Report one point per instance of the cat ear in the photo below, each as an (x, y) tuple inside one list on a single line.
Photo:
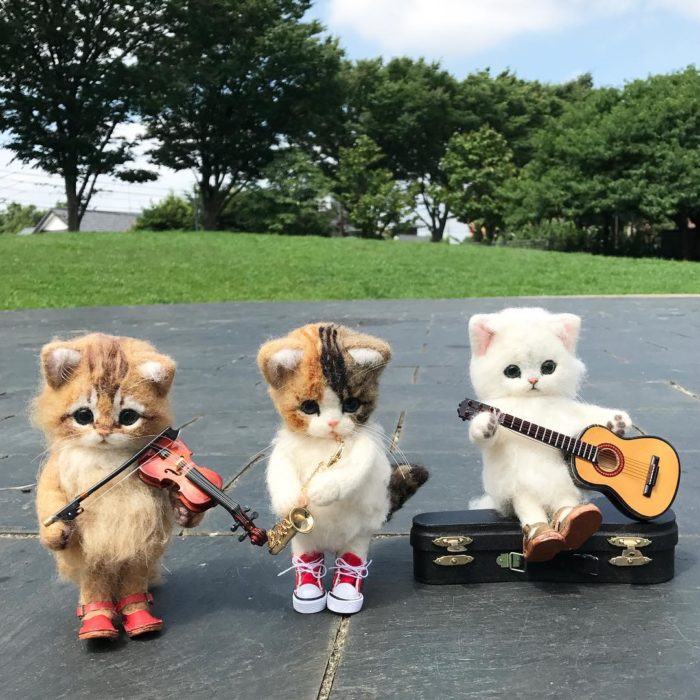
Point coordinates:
[(160, 370), (58, 364), (368, 351), (480, 333), (568, 327), (278, 360)]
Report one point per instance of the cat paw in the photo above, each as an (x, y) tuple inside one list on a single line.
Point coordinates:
[(323, 491), (57, 536), (185, 517), (619, 423), (483, 427)]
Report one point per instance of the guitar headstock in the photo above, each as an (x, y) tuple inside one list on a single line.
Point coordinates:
[(470, 407)]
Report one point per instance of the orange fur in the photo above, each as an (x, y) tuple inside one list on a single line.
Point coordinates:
[(114, 547), (288, 388)]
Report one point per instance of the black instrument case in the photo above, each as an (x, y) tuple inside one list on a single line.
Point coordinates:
[(480, 546)]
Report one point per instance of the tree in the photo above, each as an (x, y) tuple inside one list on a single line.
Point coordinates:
[(231, 81), (376, 203), (67, 81), (410, 109), (16, 217), (477, 165), (172, 213)]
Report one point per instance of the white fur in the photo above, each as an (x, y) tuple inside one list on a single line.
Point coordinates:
[(521, 475), (331, 421), (61, 362), (366, 356), (153, 371), (287, 358), (349, 501)]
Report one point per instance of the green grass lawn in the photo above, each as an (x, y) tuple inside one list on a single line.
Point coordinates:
[(63, 270)]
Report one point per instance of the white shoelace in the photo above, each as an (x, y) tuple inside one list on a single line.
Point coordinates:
[(315, 568), (345, 569)]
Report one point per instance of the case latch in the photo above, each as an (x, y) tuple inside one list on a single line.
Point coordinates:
[(454, 560), (453, 543), (514, 561), (631, 556)]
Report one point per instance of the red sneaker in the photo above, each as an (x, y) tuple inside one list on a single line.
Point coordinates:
[(345, 596), (309, 594)]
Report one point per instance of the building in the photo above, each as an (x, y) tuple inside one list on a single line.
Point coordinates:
[(56, 220)]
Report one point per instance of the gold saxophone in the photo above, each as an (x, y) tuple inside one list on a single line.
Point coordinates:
[(300, 518)]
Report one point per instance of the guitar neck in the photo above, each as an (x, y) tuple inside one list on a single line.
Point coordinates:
[(566, 443)]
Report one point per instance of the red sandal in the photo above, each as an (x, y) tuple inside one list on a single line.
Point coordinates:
[(140, 621), (99, 626)]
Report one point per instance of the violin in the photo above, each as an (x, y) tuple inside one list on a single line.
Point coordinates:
[(198, 488), (166, 462)]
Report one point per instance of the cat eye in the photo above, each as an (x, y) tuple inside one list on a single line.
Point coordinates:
[(128, 416), (512, 371), (351, 405), (309, 407), (83, 416), (548, 366)]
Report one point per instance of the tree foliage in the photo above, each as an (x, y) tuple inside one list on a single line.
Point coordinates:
[(233, 80), (172, 213), (67, 81), (477, 165), (375, 202), (294, 198), (16, 216)]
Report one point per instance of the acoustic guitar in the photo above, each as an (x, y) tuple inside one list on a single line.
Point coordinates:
[(640, 475)]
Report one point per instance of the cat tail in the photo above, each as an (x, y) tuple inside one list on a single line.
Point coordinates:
[(405, 480)]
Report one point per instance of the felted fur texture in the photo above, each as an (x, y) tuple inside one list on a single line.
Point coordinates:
[(537, 349), (103, 398), (324, 381)]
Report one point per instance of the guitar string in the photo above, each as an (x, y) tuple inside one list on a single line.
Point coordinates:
[(513, 419), (631, 467)]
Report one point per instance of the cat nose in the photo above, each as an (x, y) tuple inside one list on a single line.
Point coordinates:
[(102, 431), (333, 423), (533, 380)]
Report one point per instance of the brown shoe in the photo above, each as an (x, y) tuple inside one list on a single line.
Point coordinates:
[(541, 542), (577, 524)]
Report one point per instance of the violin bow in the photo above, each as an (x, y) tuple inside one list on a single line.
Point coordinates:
[(74, 508)]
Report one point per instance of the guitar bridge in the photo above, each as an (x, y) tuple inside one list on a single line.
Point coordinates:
[(652, 476)]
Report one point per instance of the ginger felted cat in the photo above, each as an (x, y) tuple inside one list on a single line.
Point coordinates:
[(523, 362), (323, 380), (103, 398)]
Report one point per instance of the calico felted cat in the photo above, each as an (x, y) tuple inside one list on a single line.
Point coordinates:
[(323, 380), (103, 398), (523, 362)]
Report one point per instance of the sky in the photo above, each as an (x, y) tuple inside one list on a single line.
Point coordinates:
[(547, 40)]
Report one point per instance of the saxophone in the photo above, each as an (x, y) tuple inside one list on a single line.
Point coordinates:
[(299, 518)]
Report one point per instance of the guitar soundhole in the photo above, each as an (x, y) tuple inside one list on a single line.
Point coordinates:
[(610, 460)]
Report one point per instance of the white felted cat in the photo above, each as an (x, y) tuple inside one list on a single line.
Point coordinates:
[(323, 380), (523, 363)]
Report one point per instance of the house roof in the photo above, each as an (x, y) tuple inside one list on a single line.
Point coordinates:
[(93, 220)]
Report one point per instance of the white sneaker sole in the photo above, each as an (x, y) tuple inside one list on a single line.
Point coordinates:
[(309, 605), (343, 606)]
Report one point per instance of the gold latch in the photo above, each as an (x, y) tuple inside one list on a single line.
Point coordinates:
[(454, 560), (631, 556), (453, 543)]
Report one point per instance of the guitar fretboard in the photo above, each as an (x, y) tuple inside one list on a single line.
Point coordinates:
[(568, 444)]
